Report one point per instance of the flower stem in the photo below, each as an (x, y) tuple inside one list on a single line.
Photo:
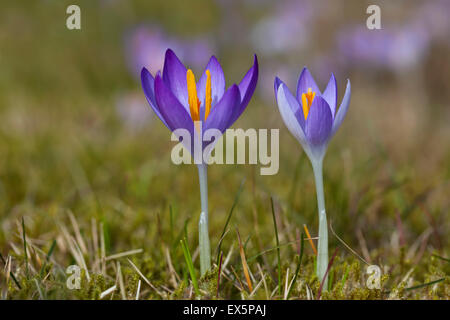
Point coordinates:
[(203, 235), (322, 253)]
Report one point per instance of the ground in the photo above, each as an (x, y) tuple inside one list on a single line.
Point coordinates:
[(81, 186)]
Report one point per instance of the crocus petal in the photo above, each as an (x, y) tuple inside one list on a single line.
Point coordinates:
[(220, 115), (291, 101), (247, 88), (217, 82), (306, 81), (340, 115), (289, 117), (330, 94), (276, 85), (171, 109), (319, 122), (148, 85), (174, 75)]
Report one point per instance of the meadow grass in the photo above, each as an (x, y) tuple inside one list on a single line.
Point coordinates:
[(80, 187)]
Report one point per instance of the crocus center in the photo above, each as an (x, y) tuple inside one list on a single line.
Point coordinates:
[(194, 102), (307, 99)]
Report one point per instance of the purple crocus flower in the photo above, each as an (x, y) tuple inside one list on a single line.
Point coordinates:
[(313, 120), (182, 103), (311, 116), (179, 101)]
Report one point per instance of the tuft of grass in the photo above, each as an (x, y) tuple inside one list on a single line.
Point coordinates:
[(299, 264), (330, 263), (190, 265)]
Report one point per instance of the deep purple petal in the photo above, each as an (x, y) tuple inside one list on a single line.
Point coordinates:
[(306, 81), (247, 88), (330, 94), (340, 115), (148, 85), (288, 115), (276, 85), (291, 102), (221, 113), (171, 109), (174, 75), (217, 83), (319, 122)]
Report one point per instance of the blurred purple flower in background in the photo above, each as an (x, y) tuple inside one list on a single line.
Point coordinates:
[(273, 68), (145, 46), (432, 17), (395, 48), (133, 110), (286, 29), (195, 52), (324, 62)]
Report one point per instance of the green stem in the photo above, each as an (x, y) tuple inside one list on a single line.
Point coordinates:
[(203, 236), (322, 254)]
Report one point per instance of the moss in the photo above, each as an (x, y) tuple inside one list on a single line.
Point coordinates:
[(208, 284)]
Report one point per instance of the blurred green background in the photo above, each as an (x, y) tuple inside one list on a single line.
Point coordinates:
[(78, 135)]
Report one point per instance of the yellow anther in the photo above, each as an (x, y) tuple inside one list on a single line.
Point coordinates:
[(194, 103), (208, 99), (307, 100)]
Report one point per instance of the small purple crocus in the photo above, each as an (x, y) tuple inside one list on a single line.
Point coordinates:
[(311, 116), (182, 103), (313, 120)]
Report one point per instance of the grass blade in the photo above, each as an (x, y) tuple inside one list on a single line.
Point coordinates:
[(10, 273), (41, 294), (310, 239), (236, 200), (25, 247), (297, 270), (180, 234), (270, 249), (425, 284), (442, 258), (47, 257), (50, 251), (219, 272), (190, 265), (278, 247), (420, 285), (326, 273), (244, 263), (171, 222)]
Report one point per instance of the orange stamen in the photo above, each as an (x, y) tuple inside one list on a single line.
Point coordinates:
[(208, 99), (307, 99), (194, 103)]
